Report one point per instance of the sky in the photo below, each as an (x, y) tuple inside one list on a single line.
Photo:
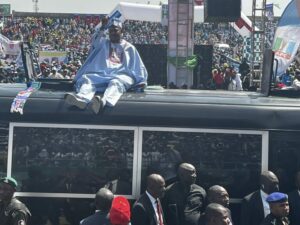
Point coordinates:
[(106, 6)]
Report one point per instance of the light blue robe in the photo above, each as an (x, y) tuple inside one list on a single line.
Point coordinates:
[(115, 66)]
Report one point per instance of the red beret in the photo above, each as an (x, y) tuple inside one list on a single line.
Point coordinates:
[(120, 211)]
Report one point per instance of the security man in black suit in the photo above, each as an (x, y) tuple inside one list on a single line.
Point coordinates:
[(103, 201), (147, 209), (184, 200), (254, 206), (12, 211), (216, 196), (294, 202), (279, 209), (216, 214)]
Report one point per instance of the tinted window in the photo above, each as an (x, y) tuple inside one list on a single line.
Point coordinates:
[(3, 148), (65, 160), (231, 160), (58, 211), (284, 157)]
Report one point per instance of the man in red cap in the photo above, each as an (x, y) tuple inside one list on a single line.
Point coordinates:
[(12, 211), (119, 213)]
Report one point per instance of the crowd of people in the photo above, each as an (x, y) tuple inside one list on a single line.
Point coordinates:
[(180, 203), (73, 35), (290, 79)]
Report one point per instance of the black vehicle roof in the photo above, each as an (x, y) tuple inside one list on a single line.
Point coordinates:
[(162, 108)]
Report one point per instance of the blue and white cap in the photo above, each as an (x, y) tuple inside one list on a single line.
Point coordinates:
[(116, 22)]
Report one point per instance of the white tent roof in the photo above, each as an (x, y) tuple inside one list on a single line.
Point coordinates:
[(153, 13)]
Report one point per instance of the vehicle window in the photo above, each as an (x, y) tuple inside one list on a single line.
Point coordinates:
[(230, 160), (68, 160), (284, 157), (54, 210), (3, 148)]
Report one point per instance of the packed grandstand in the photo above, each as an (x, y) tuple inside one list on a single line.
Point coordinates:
[(71, 34)]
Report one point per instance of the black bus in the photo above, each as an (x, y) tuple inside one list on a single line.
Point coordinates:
[(62, 155)]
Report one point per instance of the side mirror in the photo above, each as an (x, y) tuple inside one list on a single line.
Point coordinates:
[(30, 62)]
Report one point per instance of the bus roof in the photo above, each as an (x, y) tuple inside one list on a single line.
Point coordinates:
[(163, 108)]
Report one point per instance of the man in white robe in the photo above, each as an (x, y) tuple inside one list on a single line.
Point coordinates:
[(113, 66)]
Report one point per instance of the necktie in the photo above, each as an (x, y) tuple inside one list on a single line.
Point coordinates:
[(160, 219)]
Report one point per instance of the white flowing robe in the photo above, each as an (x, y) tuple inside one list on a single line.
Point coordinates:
[(110, 68)]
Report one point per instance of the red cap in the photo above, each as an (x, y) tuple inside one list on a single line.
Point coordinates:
[(120, 211)]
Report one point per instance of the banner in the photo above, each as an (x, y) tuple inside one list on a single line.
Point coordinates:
[(287, 36), (50, 56), (19, 101), (9, 47)]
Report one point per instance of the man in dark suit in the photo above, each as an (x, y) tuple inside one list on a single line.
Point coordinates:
[(218, 194), (294, 201), (103, 201), (184, 200), (147, 209), (216, 214), (254, 206)]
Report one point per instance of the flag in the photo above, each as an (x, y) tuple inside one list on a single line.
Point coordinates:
[(9, 47), (199, 2), (270, 11), (287, 36), (243, 25)]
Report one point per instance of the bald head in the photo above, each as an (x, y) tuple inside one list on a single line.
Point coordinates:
[(216, 214), (187, 174), (269, 182), (103, 199), (218, 194), (156, 185)]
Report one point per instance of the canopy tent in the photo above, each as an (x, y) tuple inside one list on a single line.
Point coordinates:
[(153, 13)]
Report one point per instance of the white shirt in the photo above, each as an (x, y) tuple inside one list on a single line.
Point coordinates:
[(296, 84), (236, 83), (153, 202), (265, 203)]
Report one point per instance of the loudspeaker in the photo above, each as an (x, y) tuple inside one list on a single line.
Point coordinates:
[(222, 10), (202, 72), (156, 66)]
